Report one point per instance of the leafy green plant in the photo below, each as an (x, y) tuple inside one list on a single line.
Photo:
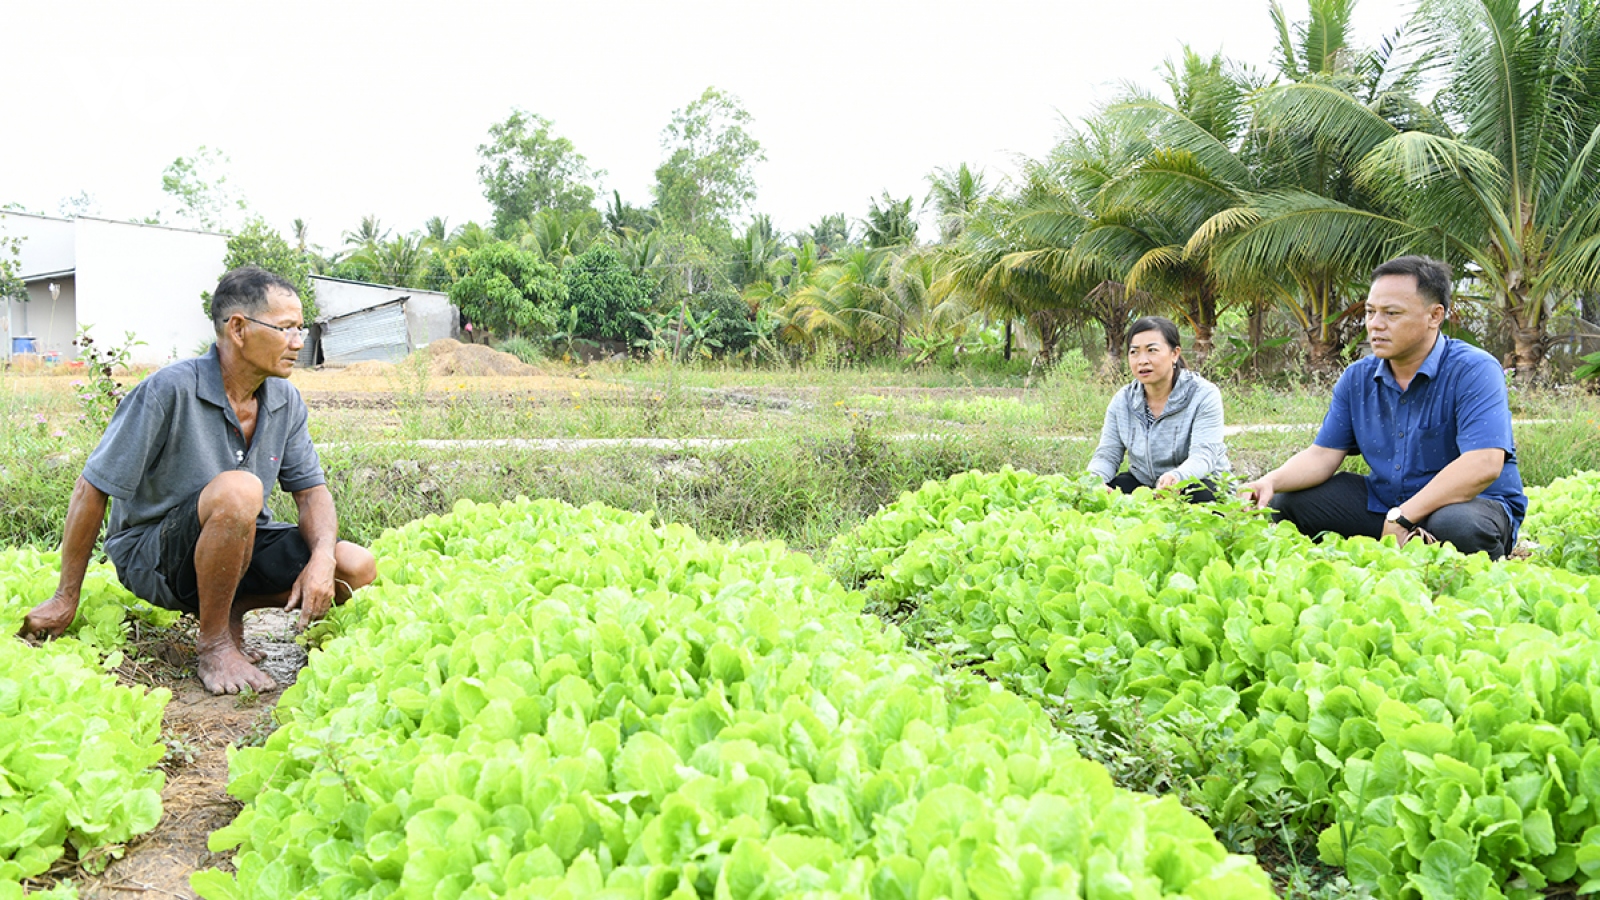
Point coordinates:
[(541, 700), (1359, 694), (1589, 370), (1563, 523), (78, 751)]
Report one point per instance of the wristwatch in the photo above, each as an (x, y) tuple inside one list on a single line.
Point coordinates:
[(1394, 515)]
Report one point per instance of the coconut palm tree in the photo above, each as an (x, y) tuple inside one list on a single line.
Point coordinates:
[(890, 225), (1040, 273), (787, 273), (1305, 229), (559, 236), (1188, 169), (955, 195), (1515, 192), (830, 234), (752, 253), (1525, 85), (371, 232), (848, 298), (401, 261)]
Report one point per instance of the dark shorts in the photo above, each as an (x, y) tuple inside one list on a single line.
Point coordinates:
[(280, 555)]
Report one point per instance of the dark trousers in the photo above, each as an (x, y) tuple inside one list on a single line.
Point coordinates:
[(1339, 505), (1204, 492)]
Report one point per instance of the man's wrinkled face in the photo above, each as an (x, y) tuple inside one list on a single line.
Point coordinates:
[(268, 343)]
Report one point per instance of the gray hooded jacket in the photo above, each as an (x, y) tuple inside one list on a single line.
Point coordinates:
[(1186, 438)]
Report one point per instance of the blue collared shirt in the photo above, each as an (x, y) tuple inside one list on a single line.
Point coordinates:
[(1456, 403)]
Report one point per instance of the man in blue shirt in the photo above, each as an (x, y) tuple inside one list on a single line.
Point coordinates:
[(190, 457), (1428, 414)]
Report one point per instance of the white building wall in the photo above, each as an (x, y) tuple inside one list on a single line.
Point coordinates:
[(147, 279), (46, 242), (430, 317)]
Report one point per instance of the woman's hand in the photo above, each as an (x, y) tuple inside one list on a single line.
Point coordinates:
[(1167, 481)]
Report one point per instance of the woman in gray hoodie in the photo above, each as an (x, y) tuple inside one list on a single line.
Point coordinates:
[(1168, 421)]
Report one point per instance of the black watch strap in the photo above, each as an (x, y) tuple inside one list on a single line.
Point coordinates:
[(1405, 523)]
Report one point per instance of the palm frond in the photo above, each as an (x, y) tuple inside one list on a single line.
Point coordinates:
[(1323, 116), (1441, 182), (1177, 131), (1294, 230), (1171, 187)]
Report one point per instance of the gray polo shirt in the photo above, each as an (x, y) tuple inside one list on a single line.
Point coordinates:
[(174, 433)]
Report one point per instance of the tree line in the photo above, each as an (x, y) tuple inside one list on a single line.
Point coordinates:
[(1237, 201)]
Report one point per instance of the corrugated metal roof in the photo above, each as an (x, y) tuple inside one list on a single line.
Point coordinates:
[(373, 284), (376, 333)]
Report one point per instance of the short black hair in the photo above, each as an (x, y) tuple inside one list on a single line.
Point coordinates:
[(1167, 328), (1432, 276), (244, 290)]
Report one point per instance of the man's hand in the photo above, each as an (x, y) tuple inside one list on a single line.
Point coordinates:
[(1261, 491), (1401, 535), (51, 617), (1166, 481), (313, 590)]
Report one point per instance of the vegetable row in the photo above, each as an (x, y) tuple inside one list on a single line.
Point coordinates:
[(78, 750), (1564, 523), (1436, 717), (537, 700)]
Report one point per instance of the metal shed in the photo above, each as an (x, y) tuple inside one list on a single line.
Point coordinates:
[(357, 321), (378, 333)]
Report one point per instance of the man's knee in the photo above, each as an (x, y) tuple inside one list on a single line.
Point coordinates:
[(356, 564), (234, 494), (1472, 527)]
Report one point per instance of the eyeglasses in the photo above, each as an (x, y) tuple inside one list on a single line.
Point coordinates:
[(291, 333)]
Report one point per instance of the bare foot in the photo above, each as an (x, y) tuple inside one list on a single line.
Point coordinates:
[(236, 631), (50, 617), (224, 670)]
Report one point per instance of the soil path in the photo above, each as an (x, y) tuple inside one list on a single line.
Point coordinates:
[(198, 728)]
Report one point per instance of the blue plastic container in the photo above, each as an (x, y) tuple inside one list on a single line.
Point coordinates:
[(24, 345)]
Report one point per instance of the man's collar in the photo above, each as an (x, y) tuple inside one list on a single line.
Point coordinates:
[(209, 373), (211, 390), (1429, 367)]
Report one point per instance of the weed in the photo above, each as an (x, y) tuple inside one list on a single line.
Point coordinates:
[(522, 348), (180, 753), (409, 381), (101, 392), (261, 729)]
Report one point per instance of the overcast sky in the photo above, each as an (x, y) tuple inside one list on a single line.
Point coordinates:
[(333, 110)]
